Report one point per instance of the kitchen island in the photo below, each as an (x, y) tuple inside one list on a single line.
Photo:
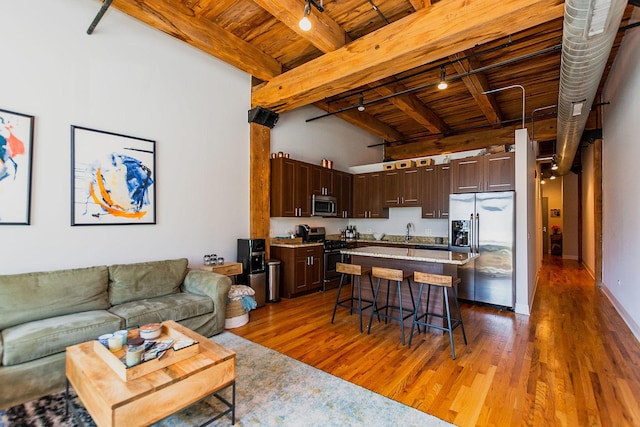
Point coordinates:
[(408, 260)]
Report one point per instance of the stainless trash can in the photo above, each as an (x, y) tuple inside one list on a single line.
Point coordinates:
[(273, 280)]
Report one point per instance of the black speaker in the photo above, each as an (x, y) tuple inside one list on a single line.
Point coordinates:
[(263, 117)]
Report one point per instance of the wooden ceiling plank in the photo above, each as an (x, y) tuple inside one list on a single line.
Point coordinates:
[(325, 33), (366, 122), (411, 105), (477, 84), (464, 142), (201, 34), (425, 36)]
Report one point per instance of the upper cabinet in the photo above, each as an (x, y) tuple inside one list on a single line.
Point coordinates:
[(436, 184), (290, 183), (493, 172), (342, 184), (367, 196), (322, 181), (401, 187), (293, 182)]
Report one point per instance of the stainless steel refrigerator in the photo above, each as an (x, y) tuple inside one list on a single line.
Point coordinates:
[(485, 223)]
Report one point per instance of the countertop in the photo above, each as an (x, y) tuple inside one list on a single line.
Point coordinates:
[(281, 244), (424, 255)]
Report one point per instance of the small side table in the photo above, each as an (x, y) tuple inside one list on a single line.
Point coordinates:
[(556, 244), (230, 269)]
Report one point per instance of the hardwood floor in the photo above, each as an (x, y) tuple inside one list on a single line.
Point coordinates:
[(573, 362)]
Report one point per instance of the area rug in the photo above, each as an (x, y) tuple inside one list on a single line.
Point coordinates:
[(272, 389)]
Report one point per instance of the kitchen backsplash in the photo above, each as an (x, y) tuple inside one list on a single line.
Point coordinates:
[(395, 225)]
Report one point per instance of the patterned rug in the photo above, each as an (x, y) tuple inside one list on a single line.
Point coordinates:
[(272, 389)]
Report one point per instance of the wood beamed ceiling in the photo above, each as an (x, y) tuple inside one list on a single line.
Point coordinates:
[(390, 54)]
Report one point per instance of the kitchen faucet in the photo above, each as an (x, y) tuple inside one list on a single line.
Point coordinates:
[(408, 236)]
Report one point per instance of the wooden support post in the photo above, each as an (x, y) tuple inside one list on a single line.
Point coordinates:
[(259, 182)]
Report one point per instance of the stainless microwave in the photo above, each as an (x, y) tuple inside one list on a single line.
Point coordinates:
[(323, 205)]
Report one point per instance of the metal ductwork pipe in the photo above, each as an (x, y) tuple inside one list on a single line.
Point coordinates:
[(589, 30)]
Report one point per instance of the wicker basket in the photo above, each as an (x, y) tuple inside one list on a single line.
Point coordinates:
[(236, 315)]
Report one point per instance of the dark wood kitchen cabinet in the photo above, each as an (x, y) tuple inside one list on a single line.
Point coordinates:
[(343, 188), (301, 269), (367, 196), (436, 186), (322, 181), (401, 188), (493, 172), (290, 182)]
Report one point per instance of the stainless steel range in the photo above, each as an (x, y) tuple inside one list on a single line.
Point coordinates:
[(332, 255)]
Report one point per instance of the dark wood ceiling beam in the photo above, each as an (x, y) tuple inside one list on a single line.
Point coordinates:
[(180, 22), (325, 33), (427, 35), (476, 84), (473, 141), (366, 122), (411, 105)]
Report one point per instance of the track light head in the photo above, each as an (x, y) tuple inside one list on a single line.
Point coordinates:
[(361, 103), (443, 82), (305, 24)]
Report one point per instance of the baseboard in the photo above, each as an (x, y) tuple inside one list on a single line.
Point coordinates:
[(633, 326), (591, 273)]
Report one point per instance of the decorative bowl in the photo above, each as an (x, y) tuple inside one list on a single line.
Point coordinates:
[(378, 236), (150, 331)]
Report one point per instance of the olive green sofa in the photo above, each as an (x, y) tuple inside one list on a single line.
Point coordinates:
[(43, 313)]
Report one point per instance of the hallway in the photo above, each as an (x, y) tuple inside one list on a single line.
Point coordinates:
[(572, 362)]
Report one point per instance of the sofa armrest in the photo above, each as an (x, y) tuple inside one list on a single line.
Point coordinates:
[(214, 285)]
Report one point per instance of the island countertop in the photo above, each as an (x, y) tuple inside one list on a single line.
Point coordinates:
[(422, 255)]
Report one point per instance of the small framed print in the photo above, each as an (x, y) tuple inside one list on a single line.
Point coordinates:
[(555, 212), (16, 155), (113, 178)]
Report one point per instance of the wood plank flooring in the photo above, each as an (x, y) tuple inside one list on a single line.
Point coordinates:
[(573, 362)]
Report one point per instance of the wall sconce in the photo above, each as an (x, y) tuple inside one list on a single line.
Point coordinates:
[(443, 83)]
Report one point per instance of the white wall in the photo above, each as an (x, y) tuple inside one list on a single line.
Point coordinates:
[(528, 226), (620, 177), (588, 210), (125, 78), (327, 138)]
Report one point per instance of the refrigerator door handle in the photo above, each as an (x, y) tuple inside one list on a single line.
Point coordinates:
[(477, 233), (472, 240)]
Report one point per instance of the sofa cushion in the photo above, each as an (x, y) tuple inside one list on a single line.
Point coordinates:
[(169, 307), (132, 282), (40, 338), (34, 296)]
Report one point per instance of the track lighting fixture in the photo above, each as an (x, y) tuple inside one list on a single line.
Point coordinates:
[(552, 177), (554, 165), (443, 83), (361, 103), (542, 181), (305, 23)]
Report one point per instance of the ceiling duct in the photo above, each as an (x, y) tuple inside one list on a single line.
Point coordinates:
[(589, 30)]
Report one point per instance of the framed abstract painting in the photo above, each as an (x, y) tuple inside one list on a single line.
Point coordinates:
[(113, 178), (16, 155)]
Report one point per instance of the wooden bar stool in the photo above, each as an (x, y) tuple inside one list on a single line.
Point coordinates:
[(356, 271), (443, 282), (397, 276)]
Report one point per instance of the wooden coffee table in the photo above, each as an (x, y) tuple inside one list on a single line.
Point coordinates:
[(142, 401)]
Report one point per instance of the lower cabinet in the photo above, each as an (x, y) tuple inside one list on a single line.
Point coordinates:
[(300, 269)]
